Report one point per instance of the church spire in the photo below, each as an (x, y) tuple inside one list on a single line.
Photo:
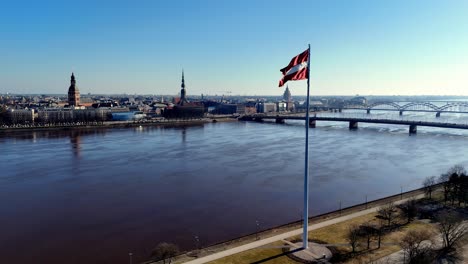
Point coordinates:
[(182, 91), (183, 81), (287, 94)]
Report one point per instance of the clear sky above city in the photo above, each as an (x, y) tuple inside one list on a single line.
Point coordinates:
[(357, 47)]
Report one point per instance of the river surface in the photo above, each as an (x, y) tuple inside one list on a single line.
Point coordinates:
[(93, 196)]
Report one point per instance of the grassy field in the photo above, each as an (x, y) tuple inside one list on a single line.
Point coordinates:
[(258, 255), (333, 234)]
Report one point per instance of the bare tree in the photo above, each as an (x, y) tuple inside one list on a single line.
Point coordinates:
[(463, 190), (428, 185), (452, 228), (387, 212), (457, 169), (367, 231), (409, 210), (417, 245), (444, 180), (380, 228), (453, 181), (353, 237), (165, 252)]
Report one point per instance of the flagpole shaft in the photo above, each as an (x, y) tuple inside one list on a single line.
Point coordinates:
[(305, 234)]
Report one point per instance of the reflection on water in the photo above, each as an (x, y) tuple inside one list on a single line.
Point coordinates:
[(75, 142), (98, 194)]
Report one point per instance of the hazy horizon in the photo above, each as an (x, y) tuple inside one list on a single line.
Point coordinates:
[(233, 95)]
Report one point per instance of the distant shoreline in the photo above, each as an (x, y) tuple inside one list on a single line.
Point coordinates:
[(122, 124)]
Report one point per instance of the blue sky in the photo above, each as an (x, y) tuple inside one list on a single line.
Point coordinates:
[(357, 47)]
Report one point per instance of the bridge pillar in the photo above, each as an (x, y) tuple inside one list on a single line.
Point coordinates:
[(413, 129), (368, 111), (353, 125), (312, 123), (339, 110), (279, 121), (438, 114), (401, 112)]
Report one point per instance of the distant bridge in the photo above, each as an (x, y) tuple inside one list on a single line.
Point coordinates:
[(353, 121), (450, 107)]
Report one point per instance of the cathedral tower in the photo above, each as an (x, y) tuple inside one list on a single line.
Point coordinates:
[(73, 93)]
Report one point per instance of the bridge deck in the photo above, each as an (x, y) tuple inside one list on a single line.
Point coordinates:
[(367, 120), (405, 110)]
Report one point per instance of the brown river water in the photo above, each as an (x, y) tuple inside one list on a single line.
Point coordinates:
[(93, 196)]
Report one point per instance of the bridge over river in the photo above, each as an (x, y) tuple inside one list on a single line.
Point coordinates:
[(436, 107), (354, 120)]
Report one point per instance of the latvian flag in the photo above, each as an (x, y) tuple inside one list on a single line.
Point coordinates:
[(297, 69)]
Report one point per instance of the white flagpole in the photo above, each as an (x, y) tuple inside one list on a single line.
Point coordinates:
[(305, 235)]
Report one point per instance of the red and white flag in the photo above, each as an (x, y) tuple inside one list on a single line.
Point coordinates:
[(297, 68)]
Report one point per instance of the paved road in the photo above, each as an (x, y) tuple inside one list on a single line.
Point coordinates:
[(279, 237)]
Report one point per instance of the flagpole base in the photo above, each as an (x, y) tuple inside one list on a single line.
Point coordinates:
[(315, 253)]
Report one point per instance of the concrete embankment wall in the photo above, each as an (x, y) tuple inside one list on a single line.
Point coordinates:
[(119, 124)]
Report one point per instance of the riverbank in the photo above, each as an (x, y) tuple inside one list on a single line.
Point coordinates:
[(290, 228), (122, 124)]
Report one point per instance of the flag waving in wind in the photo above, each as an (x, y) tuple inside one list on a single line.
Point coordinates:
[(297, 69)]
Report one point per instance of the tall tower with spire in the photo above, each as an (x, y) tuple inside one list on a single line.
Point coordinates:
[(287, 95), (183, 99), (73, 93)]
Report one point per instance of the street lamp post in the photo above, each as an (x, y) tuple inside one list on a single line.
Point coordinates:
[(258, 229), (197, 242)]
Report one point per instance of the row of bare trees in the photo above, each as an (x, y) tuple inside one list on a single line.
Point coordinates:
[(387, 216), (419, 245), (454, 183), (371, 231)]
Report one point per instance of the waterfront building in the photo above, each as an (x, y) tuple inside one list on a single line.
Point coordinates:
[(20, 116), (266, 107), (73, 93), (281, 106), (73, 115), (250, 107), (227, 109), (128, 116)]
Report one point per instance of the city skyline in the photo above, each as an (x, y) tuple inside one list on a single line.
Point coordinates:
[(363, 47)]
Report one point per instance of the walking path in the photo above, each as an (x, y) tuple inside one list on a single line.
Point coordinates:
[(296, 232)]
